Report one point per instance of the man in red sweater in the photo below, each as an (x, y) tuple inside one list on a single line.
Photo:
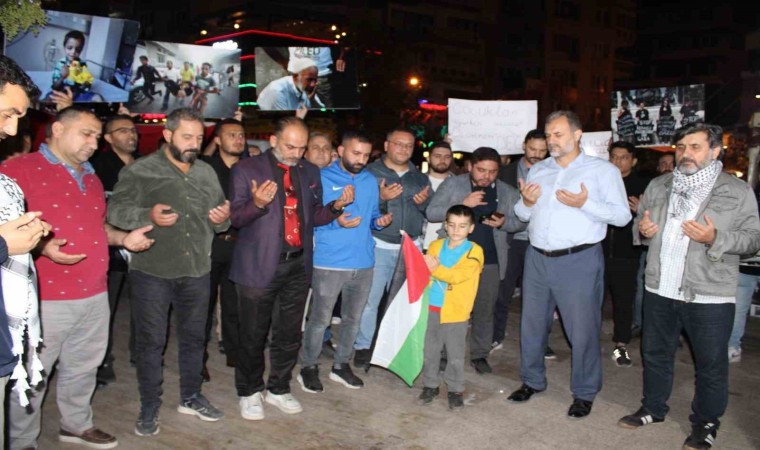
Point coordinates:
[(72, 275)]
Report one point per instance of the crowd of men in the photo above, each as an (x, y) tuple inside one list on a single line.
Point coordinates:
[(300, 221)]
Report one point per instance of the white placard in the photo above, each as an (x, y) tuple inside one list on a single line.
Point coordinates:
[(497, 124), (596, 143)]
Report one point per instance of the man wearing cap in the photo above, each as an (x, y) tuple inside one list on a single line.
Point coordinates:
[(292, 91)]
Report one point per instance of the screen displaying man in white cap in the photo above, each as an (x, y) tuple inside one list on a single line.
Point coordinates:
[(293, 91)]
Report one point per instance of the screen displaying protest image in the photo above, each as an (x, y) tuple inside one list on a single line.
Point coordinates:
[(90, 56), (288, 78), (649, 117), (167, 76)]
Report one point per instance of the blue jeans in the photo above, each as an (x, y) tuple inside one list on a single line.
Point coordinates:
[(326, 286), (385, 263), (707, 327), (744, 293), (151, 298)]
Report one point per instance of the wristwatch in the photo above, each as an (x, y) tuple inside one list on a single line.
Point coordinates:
[(335, 210)]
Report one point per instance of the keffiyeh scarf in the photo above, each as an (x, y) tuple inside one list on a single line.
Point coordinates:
[(19, 284), (691, 190)]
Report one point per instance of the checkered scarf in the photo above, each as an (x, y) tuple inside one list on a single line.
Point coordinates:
[(691, 190), (19, 285)]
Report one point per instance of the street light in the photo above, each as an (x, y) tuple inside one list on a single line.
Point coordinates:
[(236, 26), (204, 32), (414, 81)]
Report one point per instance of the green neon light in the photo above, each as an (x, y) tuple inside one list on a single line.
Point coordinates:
[(247, 85), (248, 104)]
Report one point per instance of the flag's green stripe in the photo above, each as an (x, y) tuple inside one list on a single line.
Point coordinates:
[(407, 363)]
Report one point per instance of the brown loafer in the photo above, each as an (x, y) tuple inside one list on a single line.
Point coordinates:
[(93, 438)]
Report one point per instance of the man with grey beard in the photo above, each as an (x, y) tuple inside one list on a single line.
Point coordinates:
[(698, 222), (182, 198), (276, 201)]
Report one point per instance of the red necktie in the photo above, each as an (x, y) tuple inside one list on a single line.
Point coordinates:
[(290, 212)]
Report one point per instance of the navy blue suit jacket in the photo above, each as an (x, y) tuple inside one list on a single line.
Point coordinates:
[(260, 236)]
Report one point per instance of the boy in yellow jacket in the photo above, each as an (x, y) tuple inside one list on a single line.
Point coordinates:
[(455, 264)]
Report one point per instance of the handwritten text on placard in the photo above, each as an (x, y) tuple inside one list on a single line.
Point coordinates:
[(498, 124)]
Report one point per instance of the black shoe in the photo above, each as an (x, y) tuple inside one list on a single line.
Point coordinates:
[(481, 365), (523, 394), (621, 357), (341, 373), (549, 353), (362, 357), (639, 419), (105, 375), (221, 344), (206, 376), (702, 436), (456, 402), (428, 395), (309, 380), (579, 409)]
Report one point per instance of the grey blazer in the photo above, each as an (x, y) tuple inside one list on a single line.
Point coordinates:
[(453, 192)]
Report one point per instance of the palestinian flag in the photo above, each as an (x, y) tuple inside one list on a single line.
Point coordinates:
[(401, 336)]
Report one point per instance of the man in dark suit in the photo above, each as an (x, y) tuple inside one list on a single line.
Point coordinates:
[(276, 203)]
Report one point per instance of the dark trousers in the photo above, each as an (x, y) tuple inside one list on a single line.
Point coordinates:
[(708, 327), (149, 89), (481, 330), (170, 87), (116, 281), (281, 307), (620, 275), (515, 265), (575, 284), (151, 298), (221, 259)]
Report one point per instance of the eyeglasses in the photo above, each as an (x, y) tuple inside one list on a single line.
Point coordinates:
[(402, 145), (124, 130)]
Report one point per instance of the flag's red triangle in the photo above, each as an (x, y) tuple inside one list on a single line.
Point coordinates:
[(417, 273)]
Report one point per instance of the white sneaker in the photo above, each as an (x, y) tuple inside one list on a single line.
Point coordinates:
[(284, 402), (336, 321), (734, 354), (251, 407)]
